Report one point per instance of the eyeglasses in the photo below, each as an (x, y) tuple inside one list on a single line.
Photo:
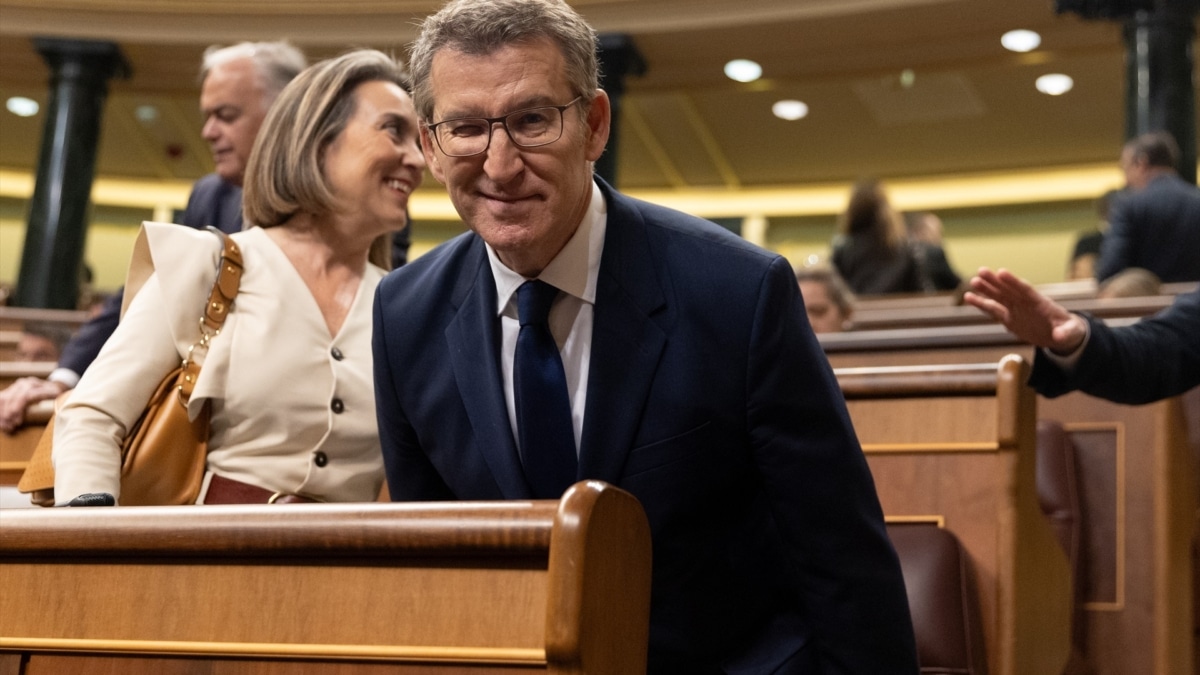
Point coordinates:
[(528, 128)]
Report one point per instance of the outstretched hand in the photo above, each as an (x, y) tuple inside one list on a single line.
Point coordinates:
[(1026, 313)]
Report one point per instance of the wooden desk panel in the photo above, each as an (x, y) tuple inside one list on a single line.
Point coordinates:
[(1138, 480), (955, 445), (459, 587)]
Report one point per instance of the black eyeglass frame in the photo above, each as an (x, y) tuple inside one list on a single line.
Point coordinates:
[(503, 121)]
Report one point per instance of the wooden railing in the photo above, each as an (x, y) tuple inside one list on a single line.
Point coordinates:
[(463, 587)]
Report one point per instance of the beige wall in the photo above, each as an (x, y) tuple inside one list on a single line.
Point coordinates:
[(1033, 240)]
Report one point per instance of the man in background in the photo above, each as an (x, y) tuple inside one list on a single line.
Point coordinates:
[(41, 341), (238, 85), (1157, 225)]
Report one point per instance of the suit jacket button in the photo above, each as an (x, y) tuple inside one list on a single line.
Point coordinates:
[(337, 354), (320, 458), (337, 406)]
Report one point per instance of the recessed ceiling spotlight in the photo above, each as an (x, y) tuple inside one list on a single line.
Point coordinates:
[(790, 110), (1021, 40), (1055, 84), (146, 113), (743, 70), (21, 106)]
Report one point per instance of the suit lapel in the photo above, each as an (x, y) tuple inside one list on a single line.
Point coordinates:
[(626, 342), (473, 340)]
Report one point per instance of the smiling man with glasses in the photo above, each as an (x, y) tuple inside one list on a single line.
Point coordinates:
[(575, 333)]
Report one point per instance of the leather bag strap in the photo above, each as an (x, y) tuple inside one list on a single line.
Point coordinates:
[(224, 291)]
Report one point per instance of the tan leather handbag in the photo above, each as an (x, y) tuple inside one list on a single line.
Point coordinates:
[(163, 455)]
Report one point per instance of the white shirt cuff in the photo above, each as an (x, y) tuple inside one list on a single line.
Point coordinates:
[(1067, 362), (65, 377)]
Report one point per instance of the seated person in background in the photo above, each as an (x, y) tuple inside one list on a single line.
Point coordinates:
[(1157, 225), (289, 377), (42, 341), (925, 233), (872, 252), (1152, 359), (1132, 282), (827, 299), (238, 85), (1087, 246)]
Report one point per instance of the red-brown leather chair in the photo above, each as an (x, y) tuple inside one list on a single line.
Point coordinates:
[(1058, 495), (942, 598)]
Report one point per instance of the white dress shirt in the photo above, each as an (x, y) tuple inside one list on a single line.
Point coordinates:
[(574, 272)]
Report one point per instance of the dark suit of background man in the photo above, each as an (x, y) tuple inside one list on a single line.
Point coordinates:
[(238, 85), (1156, 225), (1150, 360), (695, 381)]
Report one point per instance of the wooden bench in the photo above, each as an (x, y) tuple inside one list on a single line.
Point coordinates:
[(1139, 490), (15, 318), (349, 589), (11, 371), (954, 445), (885, 317)]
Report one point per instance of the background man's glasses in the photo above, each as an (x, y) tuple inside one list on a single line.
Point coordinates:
[(528, 128)]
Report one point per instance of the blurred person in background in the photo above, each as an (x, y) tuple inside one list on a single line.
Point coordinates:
[(827, 299), (925, 234), (872, 252), (1156, 226), (42, 341)]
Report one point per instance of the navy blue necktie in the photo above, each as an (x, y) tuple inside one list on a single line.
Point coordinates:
[(544, 431)]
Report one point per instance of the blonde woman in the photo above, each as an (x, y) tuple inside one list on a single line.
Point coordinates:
[(289, 377)]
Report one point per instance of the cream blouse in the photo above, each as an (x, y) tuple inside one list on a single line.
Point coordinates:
[(293, 409)]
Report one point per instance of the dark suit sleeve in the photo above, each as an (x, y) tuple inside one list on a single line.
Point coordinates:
[(821, 494), (400, 243), (82, 349), (1153, 359), (402, 454)]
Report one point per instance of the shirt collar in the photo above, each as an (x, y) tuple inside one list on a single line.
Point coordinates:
[(574, 270)]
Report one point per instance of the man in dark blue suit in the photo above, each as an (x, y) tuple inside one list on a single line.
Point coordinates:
[(1152, 359), (238, 85), (693, 378), (1156, 224)]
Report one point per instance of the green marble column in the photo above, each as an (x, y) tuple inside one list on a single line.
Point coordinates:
[(57, 225), (1159, 92), (618, 57)]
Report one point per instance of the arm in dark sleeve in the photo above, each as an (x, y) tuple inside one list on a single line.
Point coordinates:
[(822, 493), (82, 349), (1153, 359), (410, 475)]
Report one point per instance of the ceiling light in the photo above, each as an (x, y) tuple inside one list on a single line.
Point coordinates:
[(1055, 84), (743, 70), (146, 113), (1021, 40), (21, 106), (790, 110)]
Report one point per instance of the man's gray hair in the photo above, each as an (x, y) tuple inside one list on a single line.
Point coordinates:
[(276, 62), (480, 27)]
